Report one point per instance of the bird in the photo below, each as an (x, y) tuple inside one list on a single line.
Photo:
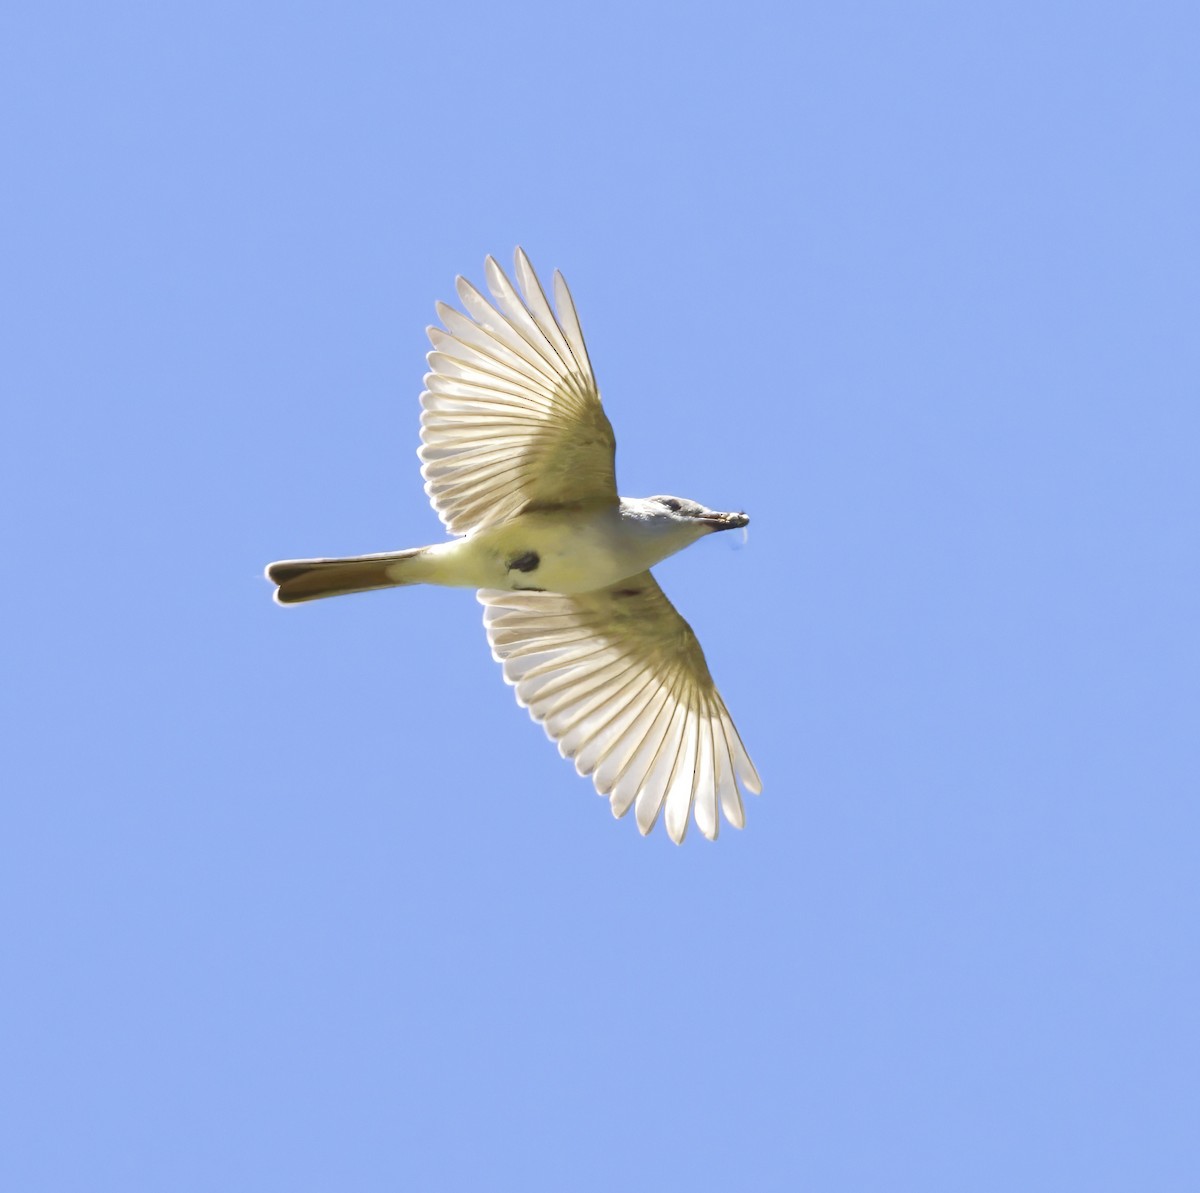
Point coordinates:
[(518, 458)]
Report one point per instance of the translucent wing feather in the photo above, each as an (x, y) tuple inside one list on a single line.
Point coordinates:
[(619, 681), (511, 416)]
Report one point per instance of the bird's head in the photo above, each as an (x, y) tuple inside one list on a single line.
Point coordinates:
[(681, 514)]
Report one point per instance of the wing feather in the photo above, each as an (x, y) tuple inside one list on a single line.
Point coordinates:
[(569, 319), (619, 681), (511, 415), (704, 795)]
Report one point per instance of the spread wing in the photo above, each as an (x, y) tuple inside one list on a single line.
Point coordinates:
[(619, 681), (512, 417)]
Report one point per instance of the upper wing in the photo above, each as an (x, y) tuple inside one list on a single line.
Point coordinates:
[(512, 416), (618, 679)]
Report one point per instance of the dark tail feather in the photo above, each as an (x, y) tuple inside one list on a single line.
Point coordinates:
[(311, 579)]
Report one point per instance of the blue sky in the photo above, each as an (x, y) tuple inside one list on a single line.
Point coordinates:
[(299, 899)]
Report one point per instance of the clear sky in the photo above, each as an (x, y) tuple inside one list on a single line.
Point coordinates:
[(298, 899)]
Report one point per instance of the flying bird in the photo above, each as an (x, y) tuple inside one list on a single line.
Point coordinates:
[(518, 460)]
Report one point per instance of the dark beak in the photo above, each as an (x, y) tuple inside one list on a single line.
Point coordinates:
[(726, 521)]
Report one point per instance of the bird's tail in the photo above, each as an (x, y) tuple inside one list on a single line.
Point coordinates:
[(310, 579)]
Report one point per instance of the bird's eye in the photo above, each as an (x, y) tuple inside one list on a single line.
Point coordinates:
[(671, 504)]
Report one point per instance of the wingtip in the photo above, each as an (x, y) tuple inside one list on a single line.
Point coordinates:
[(493, 271)]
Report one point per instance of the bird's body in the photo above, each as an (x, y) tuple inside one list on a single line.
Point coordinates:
[(569, 549), (518, 459)]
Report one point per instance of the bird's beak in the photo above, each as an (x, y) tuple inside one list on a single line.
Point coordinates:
[(725, 521)]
